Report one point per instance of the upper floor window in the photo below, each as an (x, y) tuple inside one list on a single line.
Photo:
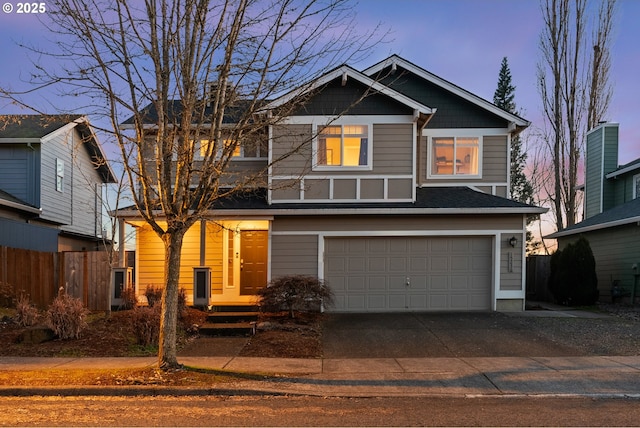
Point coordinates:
[(248, 149), (455, 156), (59, 175), (343, 146), (636, 186)]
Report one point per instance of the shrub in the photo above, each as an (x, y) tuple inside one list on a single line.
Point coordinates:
[(295, 293), (7, 295), (26, 313), (573, 280), (146, 325), (129, 299), (153, 295), (66, 316)]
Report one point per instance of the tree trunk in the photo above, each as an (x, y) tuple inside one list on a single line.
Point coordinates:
[(167, 351)]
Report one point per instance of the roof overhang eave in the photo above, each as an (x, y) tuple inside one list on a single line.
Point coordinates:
[(134, 215), (577, 231), (20, 207)]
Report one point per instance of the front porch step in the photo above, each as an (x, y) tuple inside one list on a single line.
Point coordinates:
[(234, 307), (225, 317), (231, 320), (228, 329)]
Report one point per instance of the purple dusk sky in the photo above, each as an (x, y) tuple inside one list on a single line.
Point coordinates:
[(462, 41)]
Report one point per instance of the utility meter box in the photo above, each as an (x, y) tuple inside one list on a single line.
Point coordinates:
[(201, 286), (121, 279)]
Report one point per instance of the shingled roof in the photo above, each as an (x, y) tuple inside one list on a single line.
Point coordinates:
[(33, 126), (626, 213), (429, 200)]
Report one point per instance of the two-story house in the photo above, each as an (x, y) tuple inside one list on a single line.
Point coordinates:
[(611, 212), (400, 204), (52, 171)]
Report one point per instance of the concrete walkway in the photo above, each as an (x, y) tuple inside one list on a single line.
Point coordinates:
[(603, 376), (360, 377)]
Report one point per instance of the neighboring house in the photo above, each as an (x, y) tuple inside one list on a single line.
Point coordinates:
[(52, 170), (611, 211), (401, 204)]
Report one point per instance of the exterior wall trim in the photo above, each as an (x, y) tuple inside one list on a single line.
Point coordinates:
[(347, 119), (357, 178)]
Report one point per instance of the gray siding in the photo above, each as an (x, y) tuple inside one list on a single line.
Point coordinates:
[(56, 206), (293, 255), (601, 158), (76, 208), (511, 263), (358, 224), (615, 250), (291, 150), (18, 234), (392, 147), (453, 111), (495, 168), (494, 159), (19, 171)]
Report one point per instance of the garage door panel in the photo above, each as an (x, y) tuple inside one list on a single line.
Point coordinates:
[(459, 283), (460, 263), (357, 284), (439, 282), (377, 302), (397, 264), (409, 273), (397, 302), (439, 263)]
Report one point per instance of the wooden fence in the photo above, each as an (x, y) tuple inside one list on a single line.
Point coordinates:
[(538, 270), (84, 275)]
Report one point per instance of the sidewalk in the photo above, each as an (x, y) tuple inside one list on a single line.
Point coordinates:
[(357, 377)]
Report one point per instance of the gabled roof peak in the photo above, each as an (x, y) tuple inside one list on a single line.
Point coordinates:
[(395, 61)]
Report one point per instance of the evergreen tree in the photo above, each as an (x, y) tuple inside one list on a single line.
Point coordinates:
[(521, 189), (504, 96)]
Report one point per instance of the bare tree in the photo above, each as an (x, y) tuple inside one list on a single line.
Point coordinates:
[(572, 101), (188, 79)]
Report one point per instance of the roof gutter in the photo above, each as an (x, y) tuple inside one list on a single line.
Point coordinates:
[(21, 207), (134, 214)]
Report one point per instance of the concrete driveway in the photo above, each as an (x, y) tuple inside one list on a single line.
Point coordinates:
[(419, 335)]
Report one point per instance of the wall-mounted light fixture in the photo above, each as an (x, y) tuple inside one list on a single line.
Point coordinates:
[(513, 241)]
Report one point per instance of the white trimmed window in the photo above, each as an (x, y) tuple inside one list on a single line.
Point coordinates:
[(343, 146), (636, 186), (59, 175), (455, 156)]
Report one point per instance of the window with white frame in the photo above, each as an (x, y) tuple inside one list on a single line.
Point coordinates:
[(343, 146), (636, 186), (59, 175), (455, 156)]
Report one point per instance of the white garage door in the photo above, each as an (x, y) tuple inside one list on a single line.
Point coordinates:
[(409, 273)]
